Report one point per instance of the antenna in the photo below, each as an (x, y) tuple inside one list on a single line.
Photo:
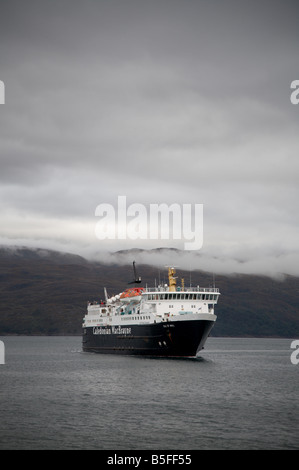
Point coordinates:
[(106, 295), (137, 280)]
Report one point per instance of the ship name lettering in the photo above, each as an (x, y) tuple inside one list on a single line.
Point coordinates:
[(114, 330), (118, 330), (101, 331)]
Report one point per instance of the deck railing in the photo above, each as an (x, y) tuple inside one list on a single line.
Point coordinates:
[(179, 289)]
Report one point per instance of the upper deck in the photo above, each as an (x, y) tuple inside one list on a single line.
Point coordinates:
[(180, 294), (178, 289), (194, 294)]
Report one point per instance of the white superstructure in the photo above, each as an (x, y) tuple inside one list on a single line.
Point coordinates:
[(153, 305)]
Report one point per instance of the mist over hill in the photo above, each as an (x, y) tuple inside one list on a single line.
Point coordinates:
[(44, 292)]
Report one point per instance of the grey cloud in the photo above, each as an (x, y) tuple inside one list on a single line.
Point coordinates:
[(161, 101)]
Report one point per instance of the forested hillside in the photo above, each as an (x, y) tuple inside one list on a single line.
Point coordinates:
[(45, 292)]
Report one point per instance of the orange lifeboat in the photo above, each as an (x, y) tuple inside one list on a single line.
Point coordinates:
[(128, 294)]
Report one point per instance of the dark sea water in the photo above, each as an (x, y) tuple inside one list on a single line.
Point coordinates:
[(240, 394)]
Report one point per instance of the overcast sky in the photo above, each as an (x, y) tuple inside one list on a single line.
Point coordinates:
[(164, 101)]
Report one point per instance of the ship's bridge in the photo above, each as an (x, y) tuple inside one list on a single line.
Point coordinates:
[(179, 298), (161, 301), (192, 293)]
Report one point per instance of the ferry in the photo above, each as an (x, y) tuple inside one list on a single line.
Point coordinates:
[(169, 320)]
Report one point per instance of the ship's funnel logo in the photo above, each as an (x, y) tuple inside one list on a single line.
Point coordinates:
[(157, 222)]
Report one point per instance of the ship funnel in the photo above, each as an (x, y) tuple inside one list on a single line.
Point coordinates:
[(172, 280)]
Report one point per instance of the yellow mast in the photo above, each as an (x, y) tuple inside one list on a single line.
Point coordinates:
[(172, 280)]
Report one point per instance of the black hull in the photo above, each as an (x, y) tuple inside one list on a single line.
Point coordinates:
[(169, 339)]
